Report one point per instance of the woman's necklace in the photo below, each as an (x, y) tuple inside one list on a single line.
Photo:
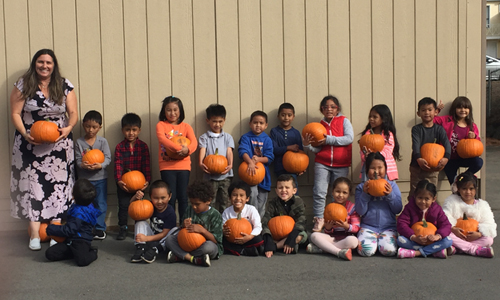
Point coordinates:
[(42, 85)]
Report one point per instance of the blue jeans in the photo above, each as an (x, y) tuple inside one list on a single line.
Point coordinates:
[(178, 181), (101, 202), (406, 243), (324, 176), (474, 164)]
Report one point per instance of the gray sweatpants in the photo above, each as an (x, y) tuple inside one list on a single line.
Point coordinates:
[(144, 228), (207, 247)]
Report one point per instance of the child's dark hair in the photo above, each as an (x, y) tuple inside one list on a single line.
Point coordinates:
[(258, 113), (168, 100), (93, 115), (131, 119), (426, 101), (425, 185), (201, 189), (329, 97), (374, 156), (345, 180), (462, 102), (84, 192), (216, 110), (286, 105), (286, 177), (464, 178), (159, 184), (239, 185)]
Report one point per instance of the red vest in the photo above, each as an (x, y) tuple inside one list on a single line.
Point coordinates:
[(335, 156)]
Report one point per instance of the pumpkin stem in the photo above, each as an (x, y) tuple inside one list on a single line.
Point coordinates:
[(465, 217), (424, 223), (371, 131), (239, 214), (217, 153), (376, 176), (435, 141)]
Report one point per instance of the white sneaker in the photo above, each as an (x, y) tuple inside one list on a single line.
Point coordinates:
[(52, 242), (35, 244), (311, 248)]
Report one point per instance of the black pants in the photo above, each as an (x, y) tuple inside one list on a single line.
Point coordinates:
[(123, 203), (77, 249), (237, 248)]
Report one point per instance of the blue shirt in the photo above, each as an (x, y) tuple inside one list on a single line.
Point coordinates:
[(260, 145), (281, 140)]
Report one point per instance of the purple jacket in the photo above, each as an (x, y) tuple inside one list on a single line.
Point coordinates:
[(412, 214)]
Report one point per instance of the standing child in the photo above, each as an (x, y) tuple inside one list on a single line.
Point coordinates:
[(95, 173), (459, 124), (464, 202), (380, 122), (426, 132), (130, 154), (217, 141), (333, 155), (338, 237), (250, 244), (175, 170), (256, 146), (82, 217), (150, 237), (423, 206), (199, 217), (286, 203), (378, 214), (285, 138)]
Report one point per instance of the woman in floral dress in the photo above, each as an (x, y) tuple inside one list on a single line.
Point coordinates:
[(42, 175)]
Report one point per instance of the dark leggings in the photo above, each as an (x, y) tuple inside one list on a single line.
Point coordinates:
[(78, 249), (474, 164), (178, 181)]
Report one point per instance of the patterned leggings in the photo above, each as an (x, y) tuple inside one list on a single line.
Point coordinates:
[(370, 240)]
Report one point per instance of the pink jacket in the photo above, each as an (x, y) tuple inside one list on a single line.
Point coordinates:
[(448, 124), (392, 168)]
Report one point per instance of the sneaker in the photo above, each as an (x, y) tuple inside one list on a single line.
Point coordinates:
[(149, 255), (451, 250), (172, 258), (99, 235), (139, 251), (406, 253), (35, 244), (52, 242), (485, 252), (443, 253), (311, 248), (123, 233), (250, 251), (345, 254), (318, 224), (201, 260)]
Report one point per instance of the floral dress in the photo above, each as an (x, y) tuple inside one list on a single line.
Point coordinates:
[(42, 176)]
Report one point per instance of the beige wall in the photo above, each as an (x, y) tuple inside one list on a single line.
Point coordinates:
[(127, 55)]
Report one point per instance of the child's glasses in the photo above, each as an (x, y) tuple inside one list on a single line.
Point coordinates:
[(325, 107)]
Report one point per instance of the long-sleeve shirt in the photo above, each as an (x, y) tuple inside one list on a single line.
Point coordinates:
[(259, 145), (294, 208), (211, 220), (392, 168), (352, 218), (453, 132), (421, 135), (248, 212), (81, 147), (135, 158), (281, 140), (165, 131)]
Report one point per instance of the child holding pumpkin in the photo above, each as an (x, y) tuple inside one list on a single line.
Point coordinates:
[(287, 210), (95, 171), (338, 237), (199, 218), (459, 124), (380, 123), (377, 202), (150, 237), (423, 226), (333, 154), (473, 222), (217, 145), (242, 243), (177, 142), (130, 154)]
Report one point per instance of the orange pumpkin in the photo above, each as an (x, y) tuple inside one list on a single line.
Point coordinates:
[(295, 162), (190, 241), (216, 164), (467, 224), (468, 148), (372, 141), (94, 156), (432, 153), (41, 232), (180, 141), (335, 212), (260, 173), (58, 239), (316, 130), (237, 226), (424, 228), (280, 227), (44, 132), (134, 180), (140, 209), (376, 187)]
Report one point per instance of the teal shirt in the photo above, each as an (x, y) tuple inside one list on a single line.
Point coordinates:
[(211, 220)]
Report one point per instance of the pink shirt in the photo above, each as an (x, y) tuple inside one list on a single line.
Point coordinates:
[(392, 168)]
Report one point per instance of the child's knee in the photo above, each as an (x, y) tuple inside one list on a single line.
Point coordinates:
[(366, 249)]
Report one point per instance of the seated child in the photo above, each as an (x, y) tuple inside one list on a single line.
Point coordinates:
[(285, 203), (199, 217), (423, 206), (249, 244), (78, 230), (463, 201), (150, 237), (338, 237)]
